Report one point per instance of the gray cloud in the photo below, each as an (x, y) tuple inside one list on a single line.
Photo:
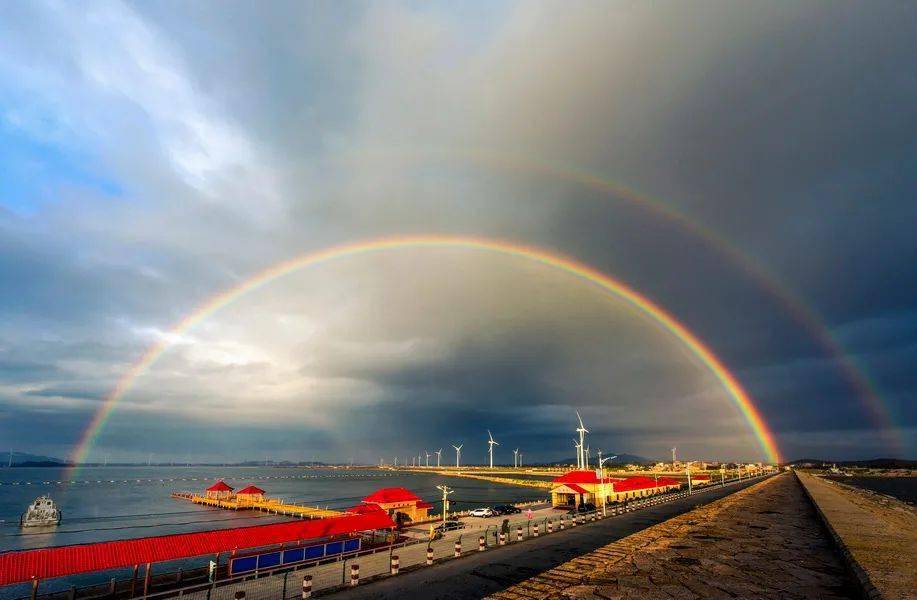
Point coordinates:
[(241, 138)]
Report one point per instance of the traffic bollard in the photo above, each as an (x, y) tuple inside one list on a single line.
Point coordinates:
[(481, 545), (429, 556), (535, 530), (519, 533), (354, 574), (395, 564), (458, 548), (550, 526), (502, 539), (306, 587)]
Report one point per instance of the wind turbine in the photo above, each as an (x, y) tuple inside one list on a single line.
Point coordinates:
[(586, 458), (579, 463), (428, 457), (582, 440), (516, 458), (458, 454), (673, 457), (490, 447), (438, 454), (520, 460)]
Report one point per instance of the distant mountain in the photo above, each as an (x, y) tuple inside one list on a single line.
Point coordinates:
[(621, 459), (24, 459), (874, 463)]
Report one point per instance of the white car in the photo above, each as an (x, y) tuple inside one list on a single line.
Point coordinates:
[(482, 512)]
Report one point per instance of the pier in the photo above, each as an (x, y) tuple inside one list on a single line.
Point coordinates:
[(273, 506)]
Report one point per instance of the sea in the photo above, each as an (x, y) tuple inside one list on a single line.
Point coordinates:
[(902, 488), (114, 503)]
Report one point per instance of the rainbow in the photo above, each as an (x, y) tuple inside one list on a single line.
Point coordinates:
[(549, 259), (854, 374)]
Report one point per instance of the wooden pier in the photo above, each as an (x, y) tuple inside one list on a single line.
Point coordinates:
[(272, 506)]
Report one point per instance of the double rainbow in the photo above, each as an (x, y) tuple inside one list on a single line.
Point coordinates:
[(549, 259)]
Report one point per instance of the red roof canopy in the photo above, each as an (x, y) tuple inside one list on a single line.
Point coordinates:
[(576, 488), (639, 483), (60, 561), (423, 504), (366, 507), (219, 486), (393, 494), (250, 490), (580, 477)]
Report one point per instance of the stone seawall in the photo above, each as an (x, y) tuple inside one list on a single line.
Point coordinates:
[(764, 541), (876, 535)]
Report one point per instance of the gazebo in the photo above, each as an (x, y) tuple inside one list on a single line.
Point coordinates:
[(250, 494), (219, 491)]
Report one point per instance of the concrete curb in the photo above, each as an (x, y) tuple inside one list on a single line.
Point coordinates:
[(856, 571)]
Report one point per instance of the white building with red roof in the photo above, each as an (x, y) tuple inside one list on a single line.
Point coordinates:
[(587, 487)]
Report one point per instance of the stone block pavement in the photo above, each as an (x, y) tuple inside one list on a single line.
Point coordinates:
[(878, 534), (762, 542)]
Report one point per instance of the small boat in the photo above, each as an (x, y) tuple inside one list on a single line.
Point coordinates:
[(41, 513)]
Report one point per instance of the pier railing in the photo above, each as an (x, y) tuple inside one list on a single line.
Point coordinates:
[(324, 575)]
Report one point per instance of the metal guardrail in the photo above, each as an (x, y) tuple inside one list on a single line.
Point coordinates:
[(286, 583)]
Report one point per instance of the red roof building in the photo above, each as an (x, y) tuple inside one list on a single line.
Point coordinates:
[(401, 503), (580, 487), (60, 561)]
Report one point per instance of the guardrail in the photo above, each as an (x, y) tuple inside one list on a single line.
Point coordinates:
[(287, 583)]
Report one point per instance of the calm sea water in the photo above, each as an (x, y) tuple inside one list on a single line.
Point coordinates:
[(125, 502), (109, 503), (902, 488)]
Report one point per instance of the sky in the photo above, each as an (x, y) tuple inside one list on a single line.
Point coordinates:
[(749, 167)]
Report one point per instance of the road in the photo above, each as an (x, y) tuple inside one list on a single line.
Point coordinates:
[(481, 574)]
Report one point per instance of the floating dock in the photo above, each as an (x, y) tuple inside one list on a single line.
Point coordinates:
[(273, 506)]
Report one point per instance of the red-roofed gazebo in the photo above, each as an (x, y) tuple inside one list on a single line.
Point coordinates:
[(219, 491), (250, 493)]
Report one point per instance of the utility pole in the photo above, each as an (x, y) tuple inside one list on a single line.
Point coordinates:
[(602, 475), (446, 491), (688, 473)]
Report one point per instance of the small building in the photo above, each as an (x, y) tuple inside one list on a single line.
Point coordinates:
[(579, 487), (400, 503), (219, 491), (582, 487), (250, 494)]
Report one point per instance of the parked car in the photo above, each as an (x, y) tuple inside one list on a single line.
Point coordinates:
[(585, 507), (482, 512), (506, 509), (450, 525)]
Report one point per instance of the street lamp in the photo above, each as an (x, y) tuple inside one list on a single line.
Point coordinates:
[(446, 491), (602, 482)]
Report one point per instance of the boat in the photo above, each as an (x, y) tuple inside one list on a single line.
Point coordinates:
[(41, 513)]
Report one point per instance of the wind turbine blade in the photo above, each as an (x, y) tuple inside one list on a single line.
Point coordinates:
[(580, 419)]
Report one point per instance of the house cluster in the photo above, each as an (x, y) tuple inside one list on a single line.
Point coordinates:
[(587, 487)]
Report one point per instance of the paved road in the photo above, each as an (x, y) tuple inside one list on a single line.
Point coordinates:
[(478, 575)]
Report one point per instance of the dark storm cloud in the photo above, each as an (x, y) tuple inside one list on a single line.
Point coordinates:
[(241, 138)]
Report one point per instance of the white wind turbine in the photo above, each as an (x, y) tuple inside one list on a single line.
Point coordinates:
[(579, 463), (490, 447), (516, 458), (428, 457), (582, 441), (586, 458), (458, 454), (438, 454)]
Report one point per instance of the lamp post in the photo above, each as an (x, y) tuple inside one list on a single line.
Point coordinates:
[(602, 482), (688, 473), (446, 491)]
